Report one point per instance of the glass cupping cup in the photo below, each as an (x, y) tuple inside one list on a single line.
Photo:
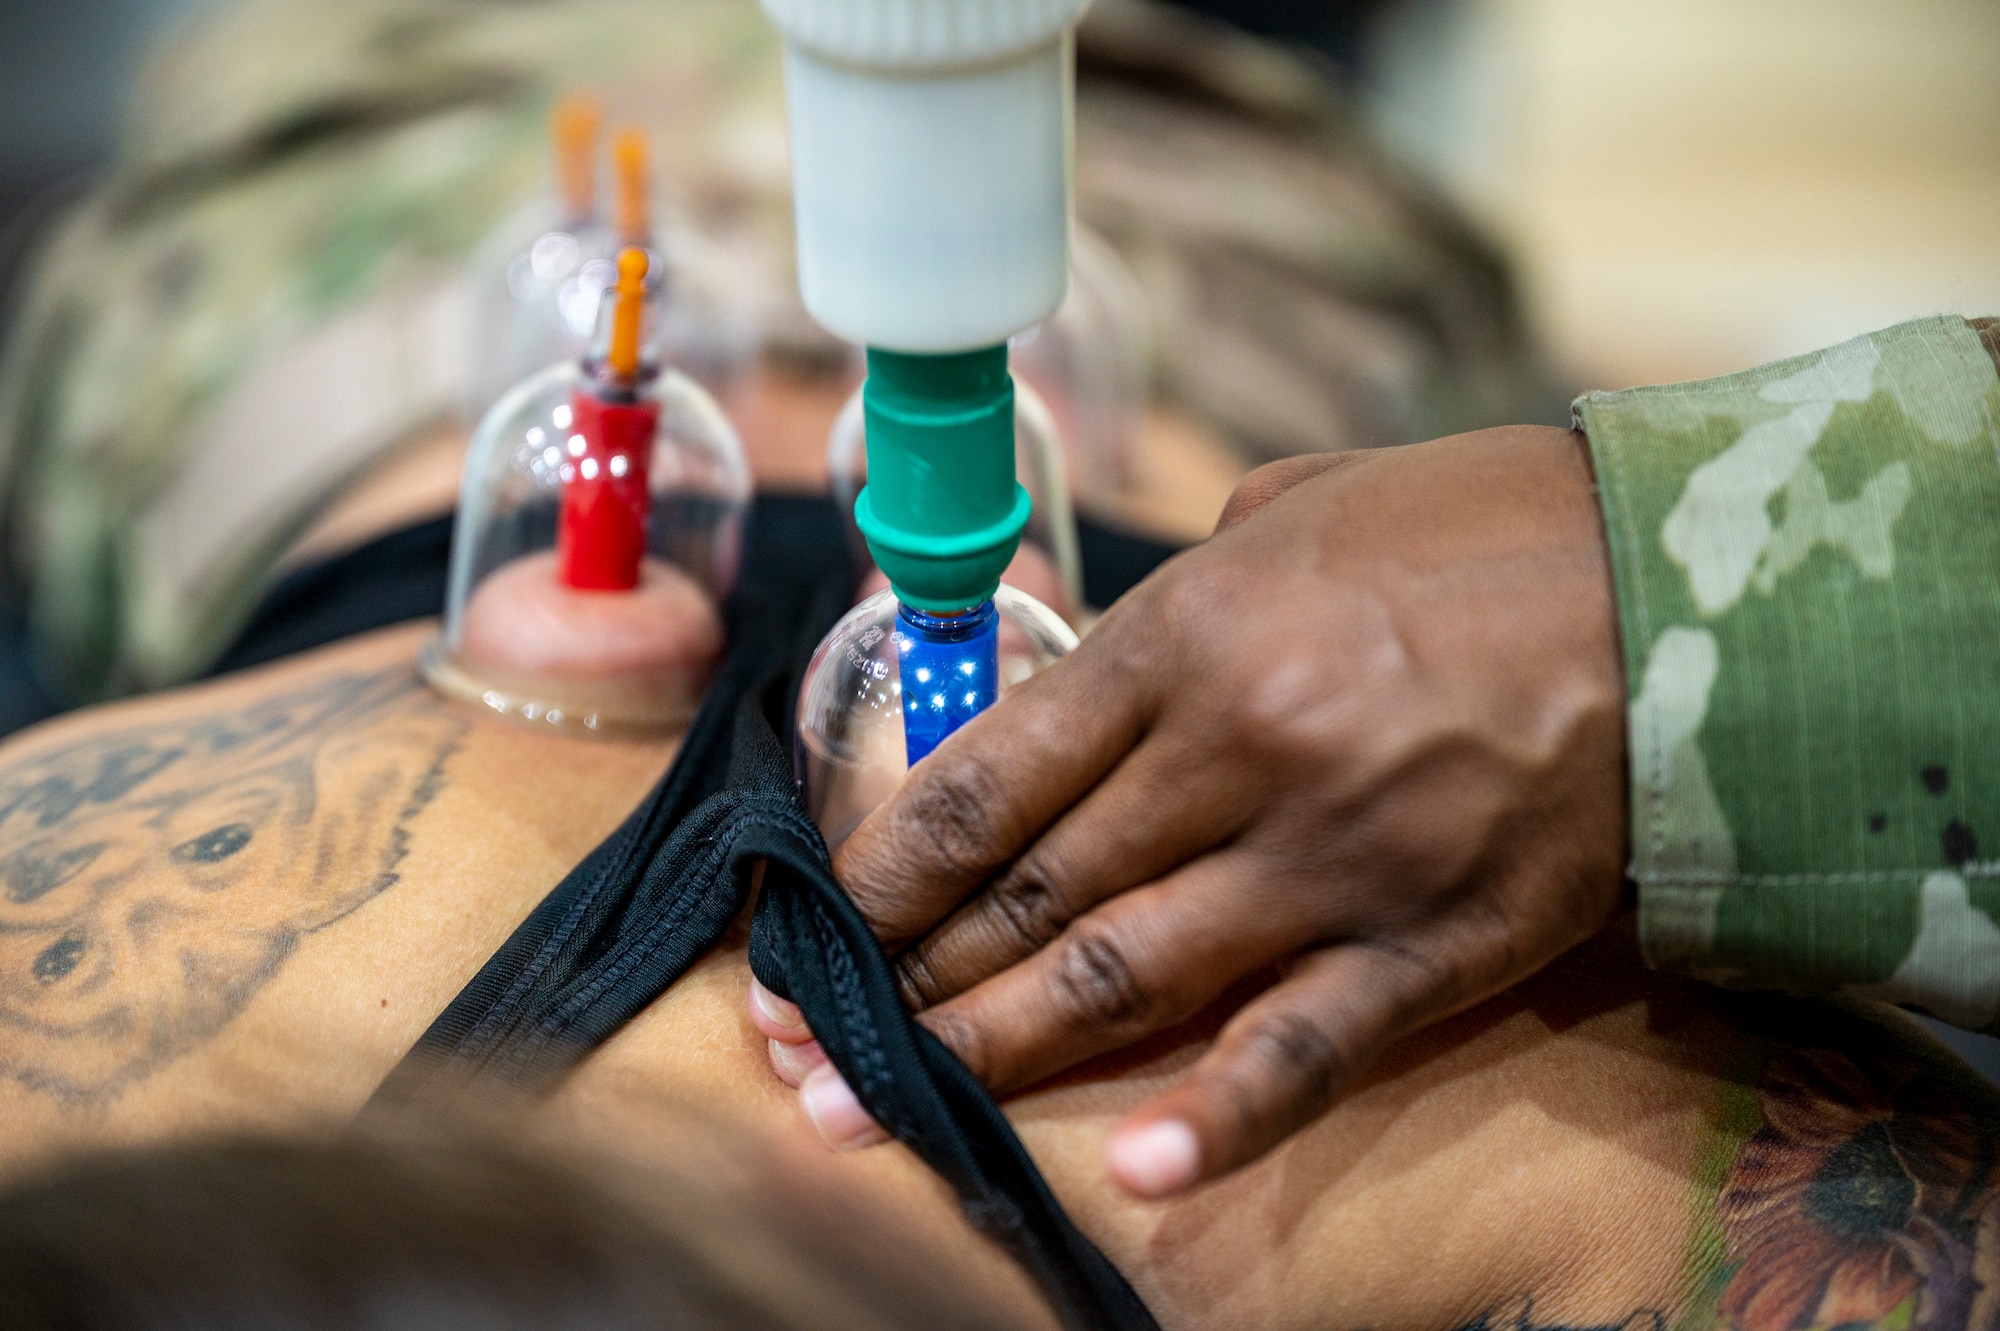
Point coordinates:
[(516, 638), (850, 749)]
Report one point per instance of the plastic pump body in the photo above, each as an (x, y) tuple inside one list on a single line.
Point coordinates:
[(943, 515), (1041, 465), (931, 150), (942, 512), (606, 502), (933, 209)]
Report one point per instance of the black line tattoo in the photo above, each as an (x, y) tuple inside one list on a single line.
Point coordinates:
[(154, 878), (1519, 1315)]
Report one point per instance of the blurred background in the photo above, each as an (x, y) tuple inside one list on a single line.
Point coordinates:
[(1685, 187), (65, 70), (1693, 186)]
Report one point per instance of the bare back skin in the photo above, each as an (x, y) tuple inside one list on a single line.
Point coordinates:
[(239, 904)]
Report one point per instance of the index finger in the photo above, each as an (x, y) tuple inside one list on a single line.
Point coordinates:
[(982, 797)]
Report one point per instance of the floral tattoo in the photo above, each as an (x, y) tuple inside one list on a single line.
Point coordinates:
[(1869, 1197)]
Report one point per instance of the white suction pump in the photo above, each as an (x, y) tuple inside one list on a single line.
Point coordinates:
[(930, 165), (931, 179)]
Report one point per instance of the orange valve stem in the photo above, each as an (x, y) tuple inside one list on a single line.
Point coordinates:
[(623, 356), (628, 151), (574, 126)]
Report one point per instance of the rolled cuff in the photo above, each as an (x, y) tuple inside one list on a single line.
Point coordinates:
[(1807, 560)]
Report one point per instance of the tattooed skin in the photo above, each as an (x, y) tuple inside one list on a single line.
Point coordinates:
[(1519, 1315), (1867, 1196), (1861, 1190), (154, 878)]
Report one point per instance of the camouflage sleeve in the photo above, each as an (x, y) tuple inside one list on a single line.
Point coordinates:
[(1807, 559)]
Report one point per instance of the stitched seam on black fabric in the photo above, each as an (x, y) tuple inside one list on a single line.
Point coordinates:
[(807, 829), (699, 877), (701, 874), (490, 1034), (855, 1019), (502, 1015), (804, 827)]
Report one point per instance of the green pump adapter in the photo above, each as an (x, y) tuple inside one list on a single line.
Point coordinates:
[(942, 512)]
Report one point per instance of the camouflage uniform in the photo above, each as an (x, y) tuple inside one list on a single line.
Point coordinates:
[(1807, 559)]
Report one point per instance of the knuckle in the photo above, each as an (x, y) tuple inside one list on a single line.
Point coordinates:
[(878, 901), (1192, 627), (919, 984), (1200, 592), (954, 816), (1274, 716), (1418, 978), (1286, 705), (874, 879), (1288, 1071), (1027, 906), (1098, 982)]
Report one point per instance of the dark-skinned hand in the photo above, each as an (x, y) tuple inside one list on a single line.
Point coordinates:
[(1368, 739)]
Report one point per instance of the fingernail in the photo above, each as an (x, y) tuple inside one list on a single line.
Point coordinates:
[(795, 1062), (843, 1124), (1157, 1159), (775, 1017)]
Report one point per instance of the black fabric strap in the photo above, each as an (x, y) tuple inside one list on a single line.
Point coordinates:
[(396, 577), (645, 904), (664, 888), (610, 940), (809, 944)]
